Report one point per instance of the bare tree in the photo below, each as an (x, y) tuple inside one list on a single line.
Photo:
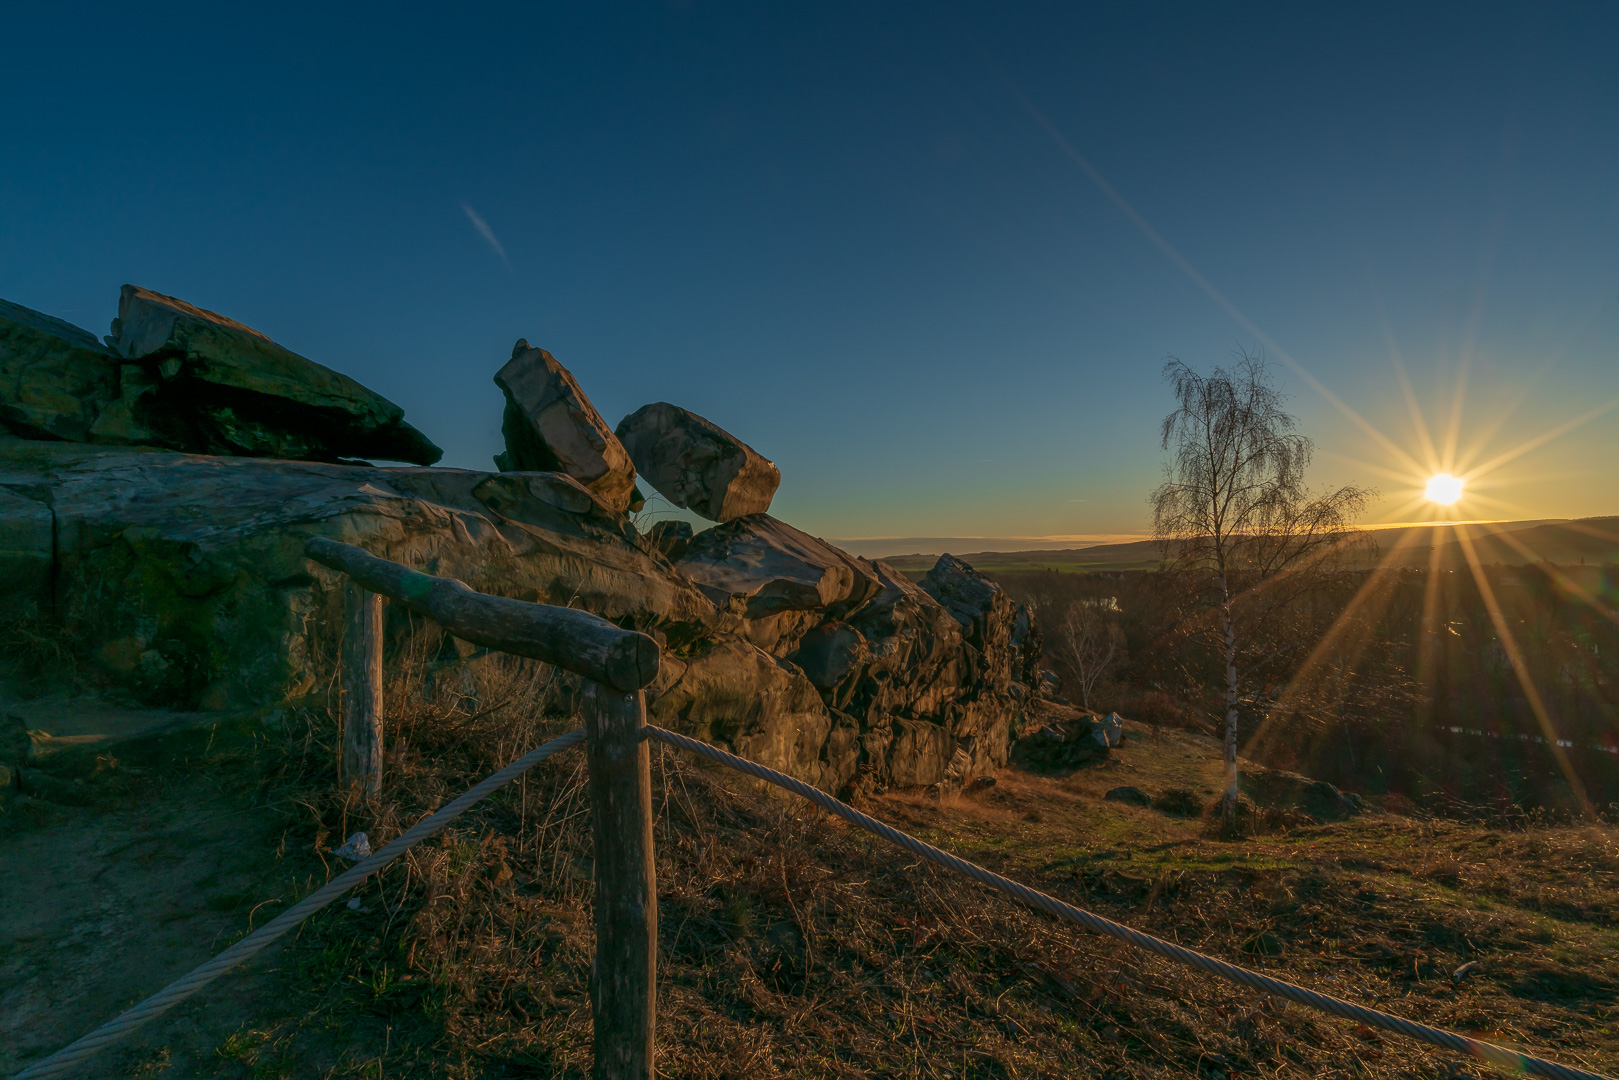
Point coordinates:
[(1234, 509), (1091, 638)]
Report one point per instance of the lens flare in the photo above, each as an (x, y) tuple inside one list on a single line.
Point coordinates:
[(1444, 489)]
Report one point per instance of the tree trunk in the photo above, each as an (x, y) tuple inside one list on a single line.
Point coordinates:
[(1228, 806)]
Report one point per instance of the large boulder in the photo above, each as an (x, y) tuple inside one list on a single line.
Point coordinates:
[(182, 577), (696, 464), (212, 385), (550, 425), (762, 567), (55, 378)]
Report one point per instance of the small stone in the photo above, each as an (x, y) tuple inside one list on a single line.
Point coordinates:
[(355, 848)]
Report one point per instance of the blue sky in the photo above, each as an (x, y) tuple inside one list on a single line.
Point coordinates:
[(850, 234)]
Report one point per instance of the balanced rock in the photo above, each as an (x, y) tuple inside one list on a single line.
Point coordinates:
[(764, 567), (551, 426), (55, 378), (696, 464), (213, 385)]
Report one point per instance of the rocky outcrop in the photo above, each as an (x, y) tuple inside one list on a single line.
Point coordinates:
[(696, 464), (761, 706), (550, 425), (760, 567), (183, 576), (183, 378), (212, 385), (55, 378), (180, 577)]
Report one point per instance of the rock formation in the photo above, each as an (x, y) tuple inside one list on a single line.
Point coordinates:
[(762, 567), (179, 577), (182, 378), (55, 379), (696, 464), (550, 425)]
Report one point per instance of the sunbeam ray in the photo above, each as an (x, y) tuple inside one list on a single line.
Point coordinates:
[(1520, 670)]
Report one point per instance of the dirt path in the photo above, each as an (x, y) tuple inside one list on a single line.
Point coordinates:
[(101, 907)]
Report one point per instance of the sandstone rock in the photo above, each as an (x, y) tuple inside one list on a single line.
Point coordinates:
[(763, 566), (900, 666), (760, 706), (917, 651), (54, 377), (223, 387), (550, 425), (987, 617), (183, 576), (696, 464)]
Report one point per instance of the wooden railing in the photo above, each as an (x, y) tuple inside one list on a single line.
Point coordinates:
[(616, 664)]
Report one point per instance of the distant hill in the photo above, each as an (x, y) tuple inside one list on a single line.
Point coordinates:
[(1566, 542)]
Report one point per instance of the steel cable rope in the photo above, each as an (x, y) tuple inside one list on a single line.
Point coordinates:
[(1499, 1056), (66, 1058)]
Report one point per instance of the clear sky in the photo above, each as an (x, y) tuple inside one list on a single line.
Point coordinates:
[(873, 240)]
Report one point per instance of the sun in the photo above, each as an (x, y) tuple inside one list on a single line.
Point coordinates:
[(1444, 488)]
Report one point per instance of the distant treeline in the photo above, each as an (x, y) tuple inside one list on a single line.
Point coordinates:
[(1363, 683)]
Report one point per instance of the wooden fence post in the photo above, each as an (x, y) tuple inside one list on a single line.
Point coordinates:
[(362, 688), (623, 979)]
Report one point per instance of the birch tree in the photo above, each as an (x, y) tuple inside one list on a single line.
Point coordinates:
[(1234, 511)]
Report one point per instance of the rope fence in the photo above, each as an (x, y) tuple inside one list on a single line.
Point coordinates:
[(1499, 1056), (64, 1060)]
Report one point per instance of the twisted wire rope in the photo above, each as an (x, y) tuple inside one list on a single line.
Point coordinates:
[(1499, 1056), (61, 1062)]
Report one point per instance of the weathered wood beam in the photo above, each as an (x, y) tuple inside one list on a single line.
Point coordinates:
[(362, 688), (623, 977), (577, 641)]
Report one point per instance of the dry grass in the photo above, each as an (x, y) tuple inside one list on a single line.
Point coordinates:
[(793, 947)]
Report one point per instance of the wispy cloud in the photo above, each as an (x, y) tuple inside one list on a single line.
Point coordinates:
[(486, 232)]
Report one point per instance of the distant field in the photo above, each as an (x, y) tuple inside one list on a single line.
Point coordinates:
[(1584, 541)]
